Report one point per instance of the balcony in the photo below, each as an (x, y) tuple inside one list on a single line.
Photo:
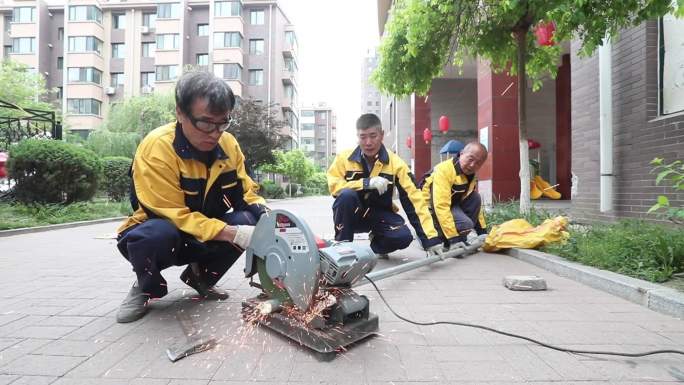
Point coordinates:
[(289, 77)]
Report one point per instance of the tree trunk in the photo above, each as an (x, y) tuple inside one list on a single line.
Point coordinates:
[(521, 36)]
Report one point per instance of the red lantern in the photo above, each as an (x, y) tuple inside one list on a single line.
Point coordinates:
[(533, 144), (444, 124), (3, 161), (409, 142), (427, 135), (544, 33)]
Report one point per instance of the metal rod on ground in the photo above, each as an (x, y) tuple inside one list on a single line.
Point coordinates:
[(404, 267)]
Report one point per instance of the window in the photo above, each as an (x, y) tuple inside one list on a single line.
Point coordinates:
[(256, 47), (256, 77), (147, 78), (168, 11), (227, 8), (119, 21), (167, 41), (149, 19), (85, 44), (202, 59), (148, 49), (60, 63), (227, 39), (307, 126), (85, 13), (117, 79), (8, 51), (24, 45), (307, 113), (228, 71), (291, 64), (369, 103), (671, 55), (256, 17), (60, 33), (83, 106), (84, 75), (118, 50), (166, 72), (377, 103), (291, 39), (202, 29), (24, 15)]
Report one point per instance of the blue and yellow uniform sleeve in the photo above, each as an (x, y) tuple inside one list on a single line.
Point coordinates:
[(415, 207), (255, 203), (443, 177), (339, 178)]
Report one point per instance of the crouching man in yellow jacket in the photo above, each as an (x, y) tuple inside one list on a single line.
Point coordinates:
[(195, 204), (363, 180), (449, 189)]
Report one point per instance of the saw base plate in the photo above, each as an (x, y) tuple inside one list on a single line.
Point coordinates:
[(326, 341)]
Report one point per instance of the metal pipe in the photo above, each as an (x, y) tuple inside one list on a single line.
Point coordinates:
[(391, 271), (606, 125)]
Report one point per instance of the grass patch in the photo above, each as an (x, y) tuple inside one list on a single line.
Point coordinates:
[(16, 215), (635, 248)]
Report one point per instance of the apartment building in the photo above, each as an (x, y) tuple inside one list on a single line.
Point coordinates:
[(99, 52), (318, 134), (370, 96)]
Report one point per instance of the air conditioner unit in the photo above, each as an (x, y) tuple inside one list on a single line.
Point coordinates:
[(145, 29), (147, 89), (110, 90)]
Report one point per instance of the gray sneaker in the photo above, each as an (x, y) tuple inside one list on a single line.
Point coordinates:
[(134, 307), (382, 256)]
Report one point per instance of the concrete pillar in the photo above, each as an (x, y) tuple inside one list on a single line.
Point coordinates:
[(420, 113)]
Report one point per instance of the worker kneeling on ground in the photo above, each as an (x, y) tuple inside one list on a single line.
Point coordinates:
[(363, 180), (449, 189), (195, 204)]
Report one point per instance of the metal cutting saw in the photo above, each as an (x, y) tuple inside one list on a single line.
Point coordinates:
[(306, 283)]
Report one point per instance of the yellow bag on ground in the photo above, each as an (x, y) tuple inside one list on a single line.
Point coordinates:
[(519, 233)]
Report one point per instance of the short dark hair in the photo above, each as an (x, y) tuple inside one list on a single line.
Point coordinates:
[(366, 121), (195, 85)]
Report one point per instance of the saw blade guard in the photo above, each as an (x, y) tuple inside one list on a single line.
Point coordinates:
[(284, 246)]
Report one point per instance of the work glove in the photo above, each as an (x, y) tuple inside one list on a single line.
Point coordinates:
[(481, 238), (379, 183), (436, 250), (243, 235)]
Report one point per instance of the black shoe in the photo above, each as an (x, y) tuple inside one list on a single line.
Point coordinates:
[(134, 307), (196, 282)]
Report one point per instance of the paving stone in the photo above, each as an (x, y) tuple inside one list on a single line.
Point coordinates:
[(6, 379), (102, 361), (45, 332), (19, 350), (35, 380), (32, 364), (71, 348), (66, 321)]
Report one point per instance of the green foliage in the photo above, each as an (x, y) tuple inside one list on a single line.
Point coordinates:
[(271, 191), (258, 130), (317, 184), (17, 215), (673, 174), (107, 143), (505, 211), (52, 171), (141, 114), (115, 179), (422, 35), (21, 87), (635, 248), (293, 164)]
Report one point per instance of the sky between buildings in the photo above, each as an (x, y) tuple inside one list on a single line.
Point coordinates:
[(333, 36)]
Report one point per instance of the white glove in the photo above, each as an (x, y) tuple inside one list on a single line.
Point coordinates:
[(481, 238), (436, 250), (243, 235), (379, 183)]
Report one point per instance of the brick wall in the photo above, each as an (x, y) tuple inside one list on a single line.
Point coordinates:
[(640, 134)]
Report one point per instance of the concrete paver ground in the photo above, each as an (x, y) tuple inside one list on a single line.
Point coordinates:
[(60, 290)]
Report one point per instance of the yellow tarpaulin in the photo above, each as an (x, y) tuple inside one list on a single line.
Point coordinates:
[(519, 233)]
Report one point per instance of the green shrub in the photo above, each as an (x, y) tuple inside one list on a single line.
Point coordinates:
[(115, 179), (107, 143), (272, 191), (316, 184), (52, 171), (635, 248)]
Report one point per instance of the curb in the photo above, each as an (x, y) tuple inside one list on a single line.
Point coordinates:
[(653, 296), (38, 229)]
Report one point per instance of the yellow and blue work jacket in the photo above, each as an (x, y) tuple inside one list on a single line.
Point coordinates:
[(349, 171), (172, 180), (444, 187)]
